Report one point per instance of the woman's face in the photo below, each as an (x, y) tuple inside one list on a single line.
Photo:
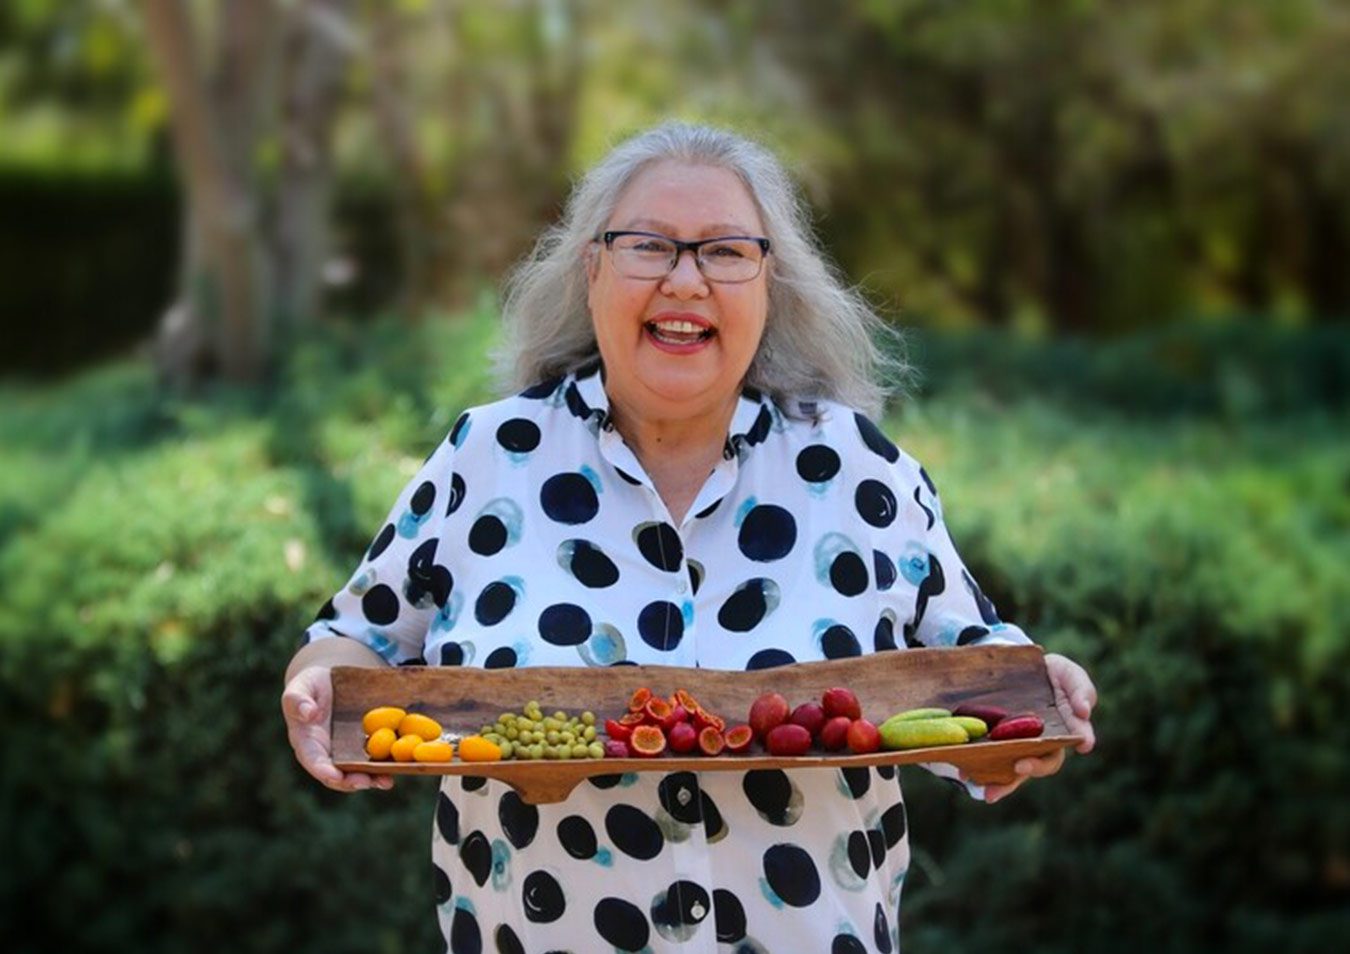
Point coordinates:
[(653, 366)]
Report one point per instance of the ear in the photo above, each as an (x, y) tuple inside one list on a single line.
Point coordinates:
[(590, 260)]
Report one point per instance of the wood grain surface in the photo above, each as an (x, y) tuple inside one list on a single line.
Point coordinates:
[(463, 699)]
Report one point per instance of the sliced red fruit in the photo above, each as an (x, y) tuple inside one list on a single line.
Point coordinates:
[(639, 699), (682, 737), (647, 741), (710, 740), (617, 749), (705, 719), (685, 698), (632, 719), (658, 710), (738, 738), (678, 716), (617, 730)]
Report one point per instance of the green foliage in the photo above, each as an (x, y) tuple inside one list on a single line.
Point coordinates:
[(159, 558)]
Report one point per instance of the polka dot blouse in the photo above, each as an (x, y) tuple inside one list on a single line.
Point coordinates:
[(533, 537)]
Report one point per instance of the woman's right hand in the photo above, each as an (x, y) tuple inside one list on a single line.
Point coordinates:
[(307, 704)]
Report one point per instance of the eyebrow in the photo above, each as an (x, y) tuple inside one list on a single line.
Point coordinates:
[(666, 228)]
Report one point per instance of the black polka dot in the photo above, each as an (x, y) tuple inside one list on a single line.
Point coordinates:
[(684, 903), (456, 494), (476, 856), (884, 568), (859, 853), (660, 545), (622, 924), (588, 564), (728, 915), (441, 882), (503, 657), (792, 875), (507, 942), (458, 429), (569, 498), (767, 533), (769, 658), (876, 503), (577, 837), (881, 930), (838, 642), (542, 897), (494, 604), (747, 606), (605, 781), (423, 497), (520, 821), (847, 944), (487, 535), (695, 575), (971, 634), (452, 654), (678, 793), (565, 624), (542, 389), (886, 771), (661, 625), (627, 477), (770, 792), (465, 935), (633, 832), (380, 605), (876, 841), (877, 442), (447, 819), (848, 574), (817, 463), (709, 510), (714, 826), (883, 637), (472, 783), (327, 610), (893, 824), (518, 435), (858, 779), (381, 541), (425, 578)]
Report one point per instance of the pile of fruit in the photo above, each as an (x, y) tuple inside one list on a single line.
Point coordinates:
[(393, 733), (834, 723), (531, 734), (681, 724)]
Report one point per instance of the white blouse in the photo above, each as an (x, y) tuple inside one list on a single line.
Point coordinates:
[(533, 537)]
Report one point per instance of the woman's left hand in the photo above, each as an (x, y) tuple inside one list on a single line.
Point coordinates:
[(1075, 695)]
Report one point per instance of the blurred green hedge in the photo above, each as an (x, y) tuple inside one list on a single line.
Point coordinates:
[(158, 560)]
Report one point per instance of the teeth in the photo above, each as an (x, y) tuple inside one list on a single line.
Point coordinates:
[(678, 327)]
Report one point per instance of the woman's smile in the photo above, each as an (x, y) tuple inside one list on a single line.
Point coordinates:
[(679, 332)]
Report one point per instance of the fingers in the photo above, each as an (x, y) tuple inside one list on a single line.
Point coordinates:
[(306, 704)]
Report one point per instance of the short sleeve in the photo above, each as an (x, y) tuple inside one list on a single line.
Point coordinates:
[(950, 608), (402, 582)]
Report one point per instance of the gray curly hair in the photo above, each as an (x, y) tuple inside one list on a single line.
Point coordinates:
[(821, 340)]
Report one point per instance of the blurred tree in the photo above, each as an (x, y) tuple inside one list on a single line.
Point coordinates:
[(246, 276)]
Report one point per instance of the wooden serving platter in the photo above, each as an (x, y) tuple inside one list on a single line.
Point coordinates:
[(464, 699)]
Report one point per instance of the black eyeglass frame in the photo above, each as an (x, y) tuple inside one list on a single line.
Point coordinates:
[(681, 247)]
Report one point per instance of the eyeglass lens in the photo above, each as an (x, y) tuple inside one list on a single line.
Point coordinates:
[(726, 260)]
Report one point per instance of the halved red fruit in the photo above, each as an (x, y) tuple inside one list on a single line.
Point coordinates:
[(647, 741), (705, 719), (631, 719), (738, 738), (658, 710), (617, 730), (711, 741), (639, 699), (684, 698)]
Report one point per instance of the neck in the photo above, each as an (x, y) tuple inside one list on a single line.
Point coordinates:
[(659, 439)]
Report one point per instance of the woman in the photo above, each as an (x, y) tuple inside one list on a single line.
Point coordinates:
[(688, 477)]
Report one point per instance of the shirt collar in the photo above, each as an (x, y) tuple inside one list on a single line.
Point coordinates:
[(751, 422)]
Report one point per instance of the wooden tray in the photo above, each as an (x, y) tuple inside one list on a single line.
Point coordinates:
[(464, 699)]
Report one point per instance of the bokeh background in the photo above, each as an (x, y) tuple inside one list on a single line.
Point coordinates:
[(249, 260)]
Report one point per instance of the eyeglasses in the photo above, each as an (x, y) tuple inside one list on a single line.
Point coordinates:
[(728, 259)]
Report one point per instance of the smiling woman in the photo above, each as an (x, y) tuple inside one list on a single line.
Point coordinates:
[(687, 476)]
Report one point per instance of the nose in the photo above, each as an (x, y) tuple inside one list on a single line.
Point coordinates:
[(685, 280)]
